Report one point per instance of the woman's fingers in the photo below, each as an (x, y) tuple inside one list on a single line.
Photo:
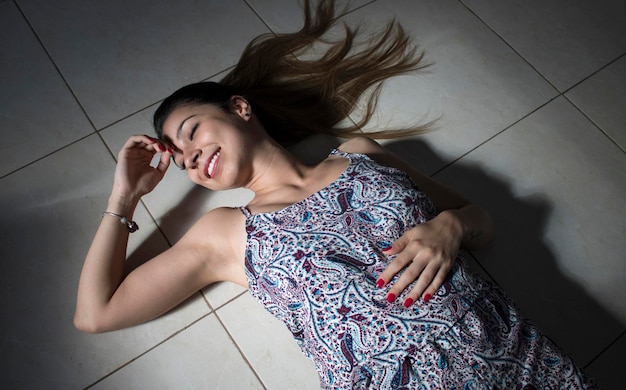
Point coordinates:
[(135, 174), (164, 162), (422, 259), (420, 265), (397, 264), (429, 281)]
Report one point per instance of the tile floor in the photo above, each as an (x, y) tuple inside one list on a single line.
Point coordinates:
[(532, 96)]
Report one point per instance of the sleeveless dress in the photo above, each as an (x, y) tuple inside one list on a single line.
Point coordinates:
[(314, 266)]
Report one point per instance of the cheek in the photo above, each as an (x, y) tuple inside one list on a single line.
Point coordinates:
[(194, 177)]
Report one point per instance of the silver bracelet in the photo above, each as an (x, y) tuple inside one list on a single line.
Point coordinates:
[(132, 225)]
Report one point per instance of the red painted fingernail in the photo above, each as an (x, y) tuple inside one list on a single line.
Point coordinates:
[(170, 150), (161, 147), (391, 297), (408, 302), (387, 249), (380, 283), (427, 297)]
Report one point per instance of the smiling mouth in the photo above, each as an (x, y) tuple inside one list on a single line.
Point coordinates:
[(212, 166)]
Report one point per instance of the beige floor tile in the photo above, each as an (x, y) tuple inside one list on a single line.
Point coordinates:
[(564, 40), (51, 210), (200, 357), (477, 85), (553, 181), (38, 113), (603, 98), (554, 185), (608, 368), (268, 346), (133, 53), (286, 15)]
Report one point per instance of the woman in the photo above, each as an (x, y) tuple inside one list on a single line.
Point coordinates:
[(358, 254)]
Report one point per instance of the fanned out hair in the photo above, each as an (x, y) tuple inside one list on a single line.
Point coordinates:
[(296, 93)]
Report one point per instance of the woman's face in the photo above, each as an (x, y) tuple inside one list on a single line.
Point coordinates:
[(212, 145)]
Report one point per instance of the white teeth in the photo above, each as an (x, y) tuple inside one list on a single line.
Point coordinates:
[(212, 163)]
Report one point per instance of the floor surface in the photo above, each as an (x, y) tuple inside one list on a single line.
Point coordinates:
[(531, 96)]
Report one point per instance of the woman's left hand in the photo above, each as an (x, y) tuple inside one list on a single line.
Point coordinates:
[(426, 253)]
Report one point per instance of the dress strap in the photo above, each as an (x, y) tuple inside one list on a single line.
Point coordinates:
[(349, 156), (337, 152), (244, 210)]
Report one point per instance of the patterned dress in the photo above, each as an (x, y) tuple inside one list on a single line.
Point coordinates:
[(314, 266)]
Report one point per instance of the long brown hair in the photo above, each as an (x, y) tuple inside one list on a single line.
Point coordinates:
[(296, 93)]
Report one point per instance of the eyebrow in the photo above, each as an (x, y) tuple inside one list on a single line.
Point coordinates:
[(180, 128)]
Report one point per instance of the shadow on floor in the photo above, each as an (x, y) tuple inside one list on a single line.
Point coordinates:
[(519, 259)]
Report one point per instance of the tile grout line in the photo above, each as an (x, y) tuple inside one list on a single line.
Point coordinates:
[(54, 64), (531, 112), (97, 132), (63, 79), (342, 13), (619, 57), (232, 339), (214, 311), (604, 350), (95, 129), (137, 111), (508, 45), (81, 138), (254, 11), (561, 93), (150, 349), (579, 109), (484, 269), (177, 332)]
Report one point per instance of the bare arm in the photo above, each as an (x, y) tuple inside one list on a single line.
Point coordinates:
[(106, 300), (427, 252)]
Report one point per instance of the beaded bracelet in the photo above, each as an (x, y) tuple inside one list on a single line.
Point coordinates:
[(132, 225)]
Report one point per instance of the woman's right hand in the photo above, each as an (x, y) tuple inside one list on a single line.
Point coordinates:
[(134, 176)]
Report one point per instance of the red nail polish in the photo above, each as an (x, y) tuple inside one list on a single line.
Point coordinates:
[(387, 249), (408, 302), (380, 283), (427, 297), (391, 297), (161, 147)]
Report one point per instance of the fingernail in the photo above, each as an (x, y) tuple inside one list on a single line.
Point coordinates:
[(427, 297), (170, 150), (161, 147), (387, 249), (391, 297), (408, 302), (380, 283)]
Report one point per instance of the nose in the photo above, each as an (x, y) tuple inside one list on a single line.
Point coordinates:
[(191, 161)]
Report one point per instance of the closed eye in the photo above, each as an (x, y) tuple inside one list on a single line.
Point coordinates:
[(180, 166), (193, 131)]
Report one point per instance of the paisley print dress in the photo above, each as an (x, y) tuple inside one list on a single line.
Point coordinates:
[(314, 266)]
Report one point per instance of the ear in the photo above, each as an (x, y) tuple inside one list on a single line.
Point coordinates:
[(238, 105)]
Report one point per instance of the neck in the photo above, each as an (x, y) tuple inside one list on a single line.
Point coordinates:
[(275, 169)]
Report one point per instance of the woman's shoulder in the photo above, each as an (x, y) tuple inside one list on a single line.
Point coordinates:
[(216, 221), (361, 145), (217, 230)]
